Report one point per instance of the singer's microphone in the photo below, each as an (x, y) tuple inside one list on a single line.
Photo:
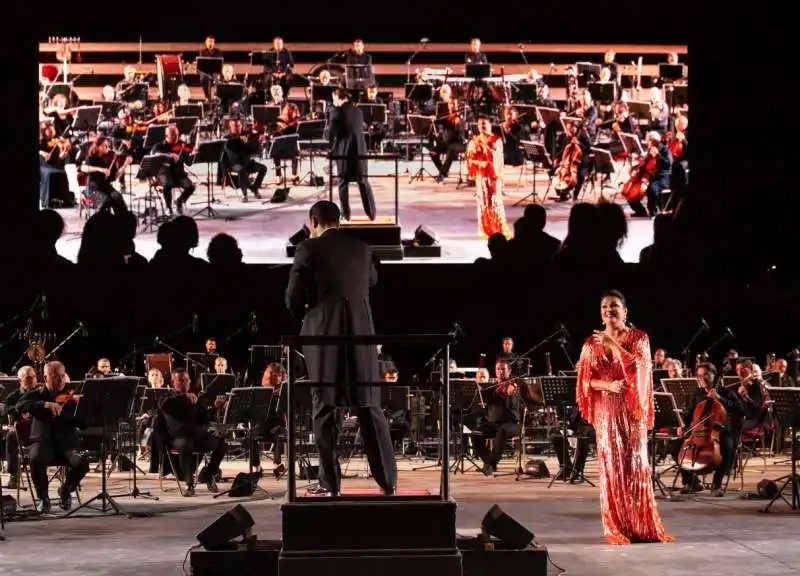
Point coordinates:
[(195, 322), (424, 40), (730, 332), (45, 311), (253, 324), (84, 331)]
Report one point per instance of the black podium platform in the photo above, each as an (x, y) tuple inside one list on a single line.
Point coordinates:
[(383, 235)]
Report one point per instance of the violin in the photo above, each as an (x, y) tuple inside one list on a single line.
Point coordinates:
[(700, 452)]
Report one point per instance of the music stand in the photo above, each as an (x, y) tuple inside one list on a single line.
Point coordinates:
[(265, 114), (208, 153), (186, 124), (477, 71), (526, 92), (311, 132), (133, 92), (602, 91), (86, 118), (603, 164), (153, 397), (261, 356), (7, 386), (421, 126), (155, 133), (245, 406), (558, 392), (631, 144), (373, 113), (188, 110), (283, 148), (323, 92), (213, 385), (682, 389), (666, 415), (149, 169), (535, 152), (786, 409), (228, 93), (358, 77), (109, 400), (419, 93), (677, 95), (109, 109), (670, 72), (463, 396)]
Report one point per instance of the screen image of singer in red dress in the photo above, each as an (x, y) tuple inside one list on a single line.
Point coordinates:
[(615, 395), (485, 168)]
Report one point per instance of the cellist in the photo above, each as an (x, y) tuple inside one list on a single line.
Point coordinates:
[(706, 376), (653, 175)]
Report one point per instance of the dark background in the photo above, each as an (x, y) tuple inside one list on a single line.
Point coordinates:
[(743, 180)]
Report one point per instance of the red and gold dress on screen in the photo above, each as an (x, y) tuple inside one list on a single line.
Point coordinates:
[(615, 395), (485, 168)]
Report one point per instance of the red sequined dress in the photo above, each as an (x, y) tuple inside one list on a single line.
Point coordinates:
[(485, 168), (621, 421)]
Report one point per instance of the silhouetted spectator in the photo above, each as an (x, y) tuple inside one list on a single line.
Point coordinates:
[(663, 225), (50, 227), (612, 232), (580, 245), (223, 250), (100, 242), (498, 250), (177, 238), (531, 244), (127, 231)]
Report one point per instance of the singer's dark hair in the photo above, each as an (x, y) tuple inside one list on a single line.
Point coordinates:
[(614, 294), (326, 213)]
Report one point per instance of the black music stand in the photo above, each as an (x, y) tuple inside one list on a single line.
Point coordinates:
[(265, 114), (228, 93), (477, 71), (323, 92), (603, 91), (108, 400), (134, 92), (245, 406), (786, 409), (214, 385), (464, 394), (558, 392), (87, 118), (138, 398), (187, 110), (261, 356), (604, 165), (670, 72), (526, 92), (358, 77), (155, 133), (421, 126), (311, 131), (208, 153), (149, 169), (283, 148), (209, 67), (682, 389), (666, 415), (373, 113), (535, 152), (419, 93)]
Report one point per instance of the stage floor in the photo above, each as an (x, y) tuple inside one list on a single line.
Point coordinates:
[(263, 229), (714, 536)]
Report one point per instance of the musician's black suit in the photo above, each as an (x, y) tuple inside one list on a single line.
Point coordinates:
[(347, 139), (330, 281)]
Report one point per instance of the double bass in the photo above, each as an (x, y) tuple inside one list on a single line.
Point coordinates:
[(635, 187), (700, 452)]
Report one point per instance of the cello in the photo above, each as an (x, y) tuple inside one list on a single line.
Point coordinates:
[(635, 187), (566, 175), (700, 452)]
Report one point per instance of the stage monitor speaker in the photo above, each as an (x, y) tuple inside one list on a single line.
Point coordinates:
[(424, 236), (303, 234), (235, 522), (503, 527), (280, 195), (767, 488)]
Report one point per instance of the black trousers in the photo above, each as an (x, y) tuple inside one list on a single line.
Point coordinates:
[(169, 181), (188, 446), (450, 153), (12, 452), (377, 445), (367, 198), (279, 168), (581, 453), (110, 197), (727, 448), (271, 431), (244, 171), (653, 199), (42, 454), (500, 432)]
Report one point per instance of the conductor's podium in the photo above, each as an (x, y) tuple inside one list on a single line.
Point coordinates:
[(382, 234), (364, 534)]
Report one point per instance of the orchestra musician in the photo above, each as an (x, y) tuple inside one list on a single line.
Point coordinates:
[(659, 112), (502, 421), (782, 378), (288, 121), (475, 56), (347, 139), (612, 67), (276, 94), (187, 417), (706, 376), (273, 428), (584, 433), (128, 80), (284, 65), (61, 115), (623, 122), (513, 134), (53, 152), (751, 394), (101, 370), (239, 149), (588, 111), (209, 50), (356, 55), (679, 148), (448, 141), (376, 131), (672, 59), (173, 173), (576, 135), (657, 164), (102, 167), (54, 438), (228, 74), (8, 410), (507, 354)]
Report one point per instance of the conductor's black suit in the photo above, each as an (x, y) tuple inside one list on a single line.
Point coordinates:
[(330, 281), (347, 142)]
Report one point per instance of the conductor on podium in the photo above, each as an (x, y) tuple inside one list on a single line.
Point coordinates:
[(329, 282), (349, 147)]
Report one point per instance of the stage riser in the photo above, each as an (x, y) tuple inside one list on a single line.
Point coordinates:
[(369, 526), (402, 564), (383, 253), (385, 240)]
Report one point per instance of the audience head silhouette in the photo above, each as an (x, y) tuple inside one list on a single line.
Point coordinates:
[(323, 216), (223, 250)]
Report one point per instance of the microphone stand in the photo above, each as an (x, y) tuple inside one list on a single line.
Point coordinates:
[(159, 342), (150, 346), (687, 350), (537, 346), (562, 343), (725, 335), (419, 49), (522, 53), (52, 353), (249, 324)]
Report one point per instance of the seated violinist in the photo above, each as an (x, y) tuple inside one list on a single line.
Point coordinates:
[(448, 140), (103, 167), (173, 173), (573, 467), (503, 418), (273, 428), (706, 376), (54, 438), (53, 184), (513, 133), (8, 410), (187, 418), (751, 393), (624, 123), (239, 150)]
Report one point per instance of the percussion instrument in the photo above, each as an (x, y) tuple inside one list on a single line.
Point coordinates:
[(49, 72), (169, 67)]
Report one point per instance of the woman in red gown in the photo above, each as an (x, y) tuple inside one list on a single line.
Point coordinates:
[(485, 168), (615, 395)]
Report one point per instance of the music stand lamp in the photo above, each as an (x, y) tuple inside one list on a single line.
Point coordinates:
[(245, 406), (666, 415), (786, 409), (209, 153), (463, 396), (535, 152), (149, 169), (421, 126), (210, 68), (283, 148), (559, 393), (311, 131), (108, 400)]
